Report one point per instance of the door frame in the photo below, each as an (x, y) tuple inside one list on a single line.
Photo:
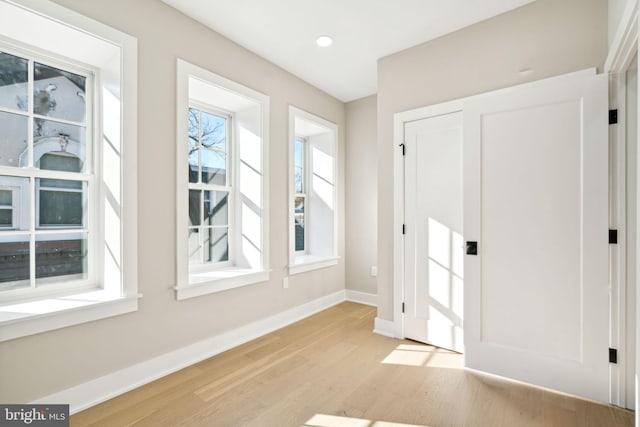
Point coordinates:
[(622, 50)]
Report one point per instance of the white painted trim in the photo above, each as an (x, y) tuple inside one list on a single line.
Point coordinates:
[(25, 324), (624, 43), (116, 383), (385, 328), (230, 279), (362, 297), (306, 263)]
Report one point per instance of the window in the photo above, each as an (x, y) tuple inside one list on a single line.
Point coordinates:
[(209, 186), (313, 211), (300, 182), (222, 183), (44, 122), (68, 88)]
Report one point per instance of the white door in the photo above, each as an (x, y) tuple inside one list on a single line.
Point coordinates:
[(433, 222), (536, 201)]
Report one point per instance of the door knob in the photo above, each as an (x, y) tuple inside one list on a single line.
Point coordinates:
[(472, 248)]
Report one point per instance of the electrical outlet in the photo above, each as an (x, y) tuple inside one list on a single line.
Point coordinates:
[(374, 271), (285, 283)]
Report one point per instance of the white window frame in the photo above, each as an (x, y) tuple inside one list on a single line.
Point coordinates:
[(57, 32), (193, 281), (315, 256)]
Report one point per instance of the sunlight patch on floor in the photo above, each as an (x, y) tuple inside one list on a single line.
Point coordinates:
[(424, 355), (322, 420)]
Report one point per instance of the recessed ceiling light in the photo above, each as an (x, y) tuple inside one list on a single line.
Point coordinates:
[(324, 41)]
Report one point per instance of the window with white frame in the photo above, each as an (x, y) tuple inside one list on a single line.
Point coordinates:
[(221, 178), (67, 142), (300, 183), (45, 123), (313, 192), (209, 185)]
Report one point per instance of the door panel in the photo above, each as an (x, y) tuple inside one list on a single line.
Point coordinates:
[(433, 209), (536, 200)]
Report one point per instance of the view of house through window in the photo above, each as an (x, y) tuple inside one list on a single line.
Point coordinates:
[(44, 173)]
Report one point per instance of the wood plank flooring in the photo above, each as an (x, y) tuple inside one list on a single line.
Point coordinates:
[(330, 370)]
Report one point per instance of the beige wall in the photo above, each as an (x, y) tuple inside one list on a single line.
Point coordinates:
[(549, 36), (39, 365), (361, 191)]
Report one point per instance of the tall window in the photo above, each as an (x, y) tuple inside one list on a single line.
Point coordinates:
[(46, 173), (209, 186), (222, 210), (312, 191), (300, 183)]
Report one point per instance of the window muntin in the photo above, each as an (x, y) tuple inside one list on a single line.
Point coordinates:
[(300, 181), (209, 186), (44, 146)]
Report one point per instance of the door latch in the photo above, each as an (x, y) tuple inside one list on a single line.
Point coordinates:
[(472, 248)]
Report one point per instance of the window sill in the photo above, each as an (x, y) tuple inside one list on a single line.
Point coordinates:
[(211, 281), (305, 263), (29, 318)]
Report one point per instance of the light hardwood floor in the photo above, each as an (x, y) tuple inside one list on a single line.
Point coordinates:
[(330, 370)]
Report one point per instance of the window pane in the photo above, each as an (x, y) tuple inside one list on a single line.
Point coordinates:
[(194, 207), (6, 218), (216, 208), (6, 197), (13, 82), (216, 244), (194, 153), (195, 254), (214, 149), (298, 155), (14, 263), (58, 138), (60, 161), (299, 223), (13, 139), (61, 257), (58, 93), (60, 202)]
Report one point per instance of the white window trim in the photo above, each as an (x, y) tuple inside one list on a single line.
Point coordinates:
[(203, 281), (308, 261), (31, 317)]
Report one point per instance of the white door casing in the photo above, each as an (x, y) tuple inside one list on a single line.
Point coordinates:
[(433, 292), (536, 201)]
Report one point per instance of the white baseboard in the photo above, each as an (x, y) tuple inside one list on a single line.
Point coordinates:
[(96, 391), (384, 327), (362, 298)]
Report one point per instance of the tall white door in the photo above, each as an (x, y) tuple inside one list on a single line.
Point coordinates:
[(536, 203), (433, 222)]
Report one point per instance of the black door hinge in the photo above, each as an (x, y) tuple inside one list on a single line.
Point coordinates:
[(613, 355), (404, 229), (403, 149), (613, 237), (613, 117), (403, 307)]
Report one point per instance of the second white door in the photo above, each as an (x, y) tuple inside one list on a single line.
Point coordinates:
[(433, 222)]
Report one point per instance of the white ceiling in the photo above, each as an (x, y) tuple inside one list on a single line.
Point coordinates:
[(284, 32)]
